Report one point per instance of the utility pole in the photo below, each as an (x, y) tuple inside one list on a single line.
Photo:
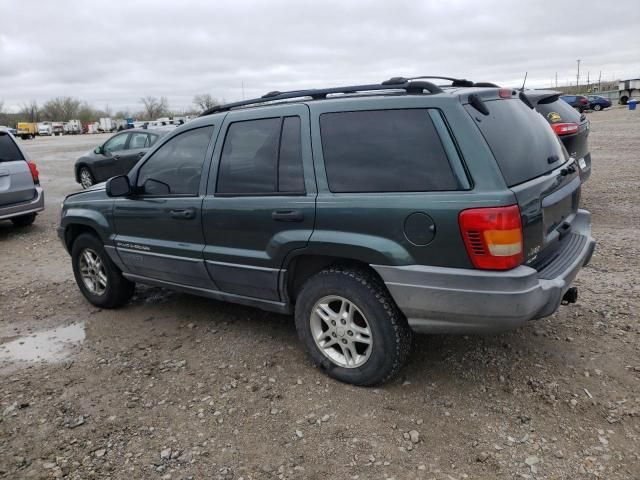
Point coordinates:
[(588, 81), (243, 90), (578, 78), (599, 79), (556, 79)]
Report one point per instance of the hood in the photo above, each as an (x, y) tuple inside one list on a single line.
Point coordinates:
[(95, 191)]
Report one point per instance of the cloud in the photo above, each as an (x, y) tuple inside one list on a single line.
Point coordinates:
[(113, 52)]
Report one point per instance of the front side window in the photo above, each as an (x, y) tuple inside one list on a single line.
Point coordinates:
[(176, 167), (384, 151), (116, 143), (262, 157)]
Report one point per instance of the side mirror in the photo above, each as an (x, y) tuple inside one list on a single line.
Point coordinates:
[(98, 150), (118, 186)]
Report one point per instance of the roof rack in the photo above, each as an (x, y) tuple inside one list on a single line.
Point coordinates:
[(411, 87), (455, 82)]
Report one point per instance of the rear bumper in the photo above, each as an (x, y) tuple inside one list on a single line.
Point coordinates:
[(19, 209), (454, 300)]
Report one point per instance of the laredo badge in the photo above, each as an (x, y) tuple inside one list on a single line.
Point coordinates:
[(554, 117)]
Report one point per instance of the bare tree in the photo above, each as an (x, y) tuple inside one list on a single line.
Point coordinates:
[(30, 111), (154, 107), (61, 109), (86, 113), (1, 105), (205, 101)]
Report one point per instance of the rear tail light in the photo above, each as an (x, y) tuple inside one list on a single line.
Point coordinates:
[(34, 172), (583, 101), (564, 128), (493, 237), (505, 93)]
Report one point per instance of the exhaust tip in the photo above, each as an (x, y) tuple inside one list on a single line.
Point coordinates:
[(570, 296)]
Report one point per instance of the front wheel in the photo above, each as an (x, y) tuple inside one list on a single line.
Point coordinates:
[(351, 327), (99, 279), (597, 107)]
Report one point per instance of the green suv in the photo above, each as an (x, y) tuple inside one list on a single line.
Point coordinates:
[(370, 211)]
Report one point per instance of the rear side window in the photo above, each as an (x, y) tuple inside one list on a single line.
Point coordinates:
[(290, 177), (8, 149), (522, 142), (138, 140), (558, 112), (384, 151), (262, 157)]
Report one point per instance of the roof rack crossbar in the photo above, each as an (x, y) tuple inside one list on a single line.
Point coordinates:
[(455, 82), (409, 87)]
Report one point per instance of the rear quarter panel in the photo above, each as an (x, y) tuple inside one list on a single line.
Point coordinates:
[(370, 226)]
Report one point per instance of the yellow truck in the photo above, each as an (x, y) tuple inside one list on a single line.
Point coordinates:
[(26, 130)]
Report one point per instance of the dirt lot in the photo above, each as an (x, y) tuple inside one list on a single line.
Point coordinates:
[(179, 387)]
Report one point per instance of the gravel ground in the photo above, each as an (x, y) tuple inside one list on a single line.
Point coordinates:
[(178, 387)]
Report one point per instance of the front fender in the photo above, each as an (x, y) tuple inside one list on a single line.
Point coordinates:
[(96, 219)]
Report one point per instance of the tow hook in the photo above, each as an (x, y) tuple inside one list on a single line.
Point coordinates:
[(570, 296)]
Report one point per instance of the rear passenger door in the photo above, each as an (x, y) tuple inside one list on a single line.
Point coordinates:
[(260, 202), (136, 148)]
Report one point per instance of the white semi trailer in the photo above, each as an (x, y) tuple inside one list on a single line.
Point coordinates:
[(629, 89)]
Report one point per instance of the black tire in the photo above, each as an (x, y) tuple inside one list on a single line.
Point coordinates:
[(390, 334), (84, 170), (118, 289), (24, 220), (597, 107)]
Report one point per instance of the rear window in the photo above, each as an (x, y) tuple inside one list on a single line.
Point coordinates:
[(558, 112), (8, 149), (384, 151), (522, 142)]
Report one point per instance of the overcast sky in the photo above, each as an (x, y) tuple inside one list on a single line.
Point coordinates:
[(113, 52)]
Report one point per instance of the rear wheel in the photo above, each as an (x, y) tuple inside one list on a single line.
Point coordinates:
[(351, 327), (24, 220), (99, 279), (86, 177), (597, 107)]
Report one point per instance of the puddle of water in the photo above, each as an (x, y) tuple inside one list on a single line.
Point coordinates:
[(48, 345)]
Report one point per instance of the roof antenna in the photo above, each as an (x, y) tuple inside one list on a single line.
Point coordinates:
[(524, 81)]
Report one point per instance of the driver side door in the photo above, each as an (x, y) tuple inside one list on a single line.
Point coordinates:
[(107, 164), (159, 230)]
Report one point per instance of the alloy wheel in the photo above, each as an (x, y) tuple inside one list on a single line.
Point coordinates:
[(341, 331), (92, 271), (86, 180)]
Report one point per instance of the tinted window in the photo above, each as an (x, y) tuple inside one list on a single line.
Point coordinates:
[(116, 143), (290, 176), (138, 140), (384, 151), (8, 149), (521, 140), (558, 112), (175, 168), (154, 139), (249, 157)]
